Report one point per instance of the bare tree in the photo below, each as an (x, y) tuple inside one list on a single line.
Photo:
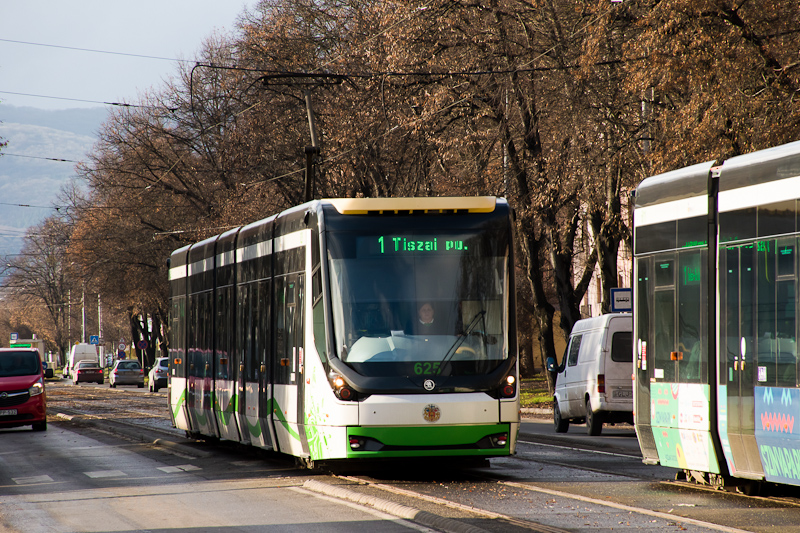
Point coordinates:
[(39, 277)]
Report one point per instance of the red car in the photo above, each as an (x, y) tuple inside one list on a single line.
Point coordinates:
[(22, 396), (88, 372)]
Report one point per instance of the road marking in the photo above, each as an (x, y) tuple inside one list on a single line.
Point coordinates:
[(106, 473), (179, 468), (622, 507), (32, 479), (573, 448)]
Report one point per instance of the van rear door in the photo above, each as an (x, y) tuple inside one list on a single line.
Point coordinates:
[(619, 365)]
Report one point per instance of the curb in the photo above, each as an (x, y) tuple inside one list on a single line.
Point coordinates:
[(448, 525), (535, 411)]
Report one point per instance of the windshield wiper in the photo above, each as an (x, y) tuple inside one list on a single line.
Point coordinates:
[(479, 316)]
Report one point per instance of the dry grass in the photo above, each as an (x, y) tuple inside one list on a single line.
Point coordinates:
[(534, 392)]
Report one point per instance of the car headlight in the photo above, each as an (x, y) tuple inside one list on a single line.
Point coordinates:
[(37, 388)]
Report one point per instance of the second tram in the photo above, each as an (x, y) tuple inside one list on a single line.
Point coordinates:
[(717, 388), (351, 328)]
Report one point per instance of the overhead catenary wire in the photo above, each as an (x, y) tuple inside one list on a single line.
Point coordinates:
[(118, 104), (316, 73), (142, 56)]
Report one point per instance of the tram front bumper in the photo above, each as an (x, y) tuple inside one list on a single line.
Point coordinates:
[(429, 441)]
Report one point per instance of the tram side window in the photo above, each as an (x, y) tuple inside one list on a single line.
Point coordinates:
[(765, 311), (224, 322), (643, 304), (263, 341), (664, 317), (253, 311), (177, 337), (692, 329), (787, 342), (245, 318), (729, 306), (318, 311), (785, 314)]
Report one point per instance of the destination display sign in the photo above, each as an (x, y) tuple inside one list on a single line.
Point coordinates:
[(387, 245)]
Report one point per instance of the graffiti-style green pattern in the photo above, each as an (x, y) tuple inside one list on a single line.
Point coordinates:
[(179, 404), (278, 414), (225, 414)]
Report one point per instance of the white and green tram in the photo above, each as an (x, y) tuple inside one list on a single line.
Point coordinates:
[(301, 333)]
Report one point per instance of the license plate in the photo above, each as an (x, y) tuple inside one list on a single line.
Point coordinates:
[(623, 394), (8, 412)]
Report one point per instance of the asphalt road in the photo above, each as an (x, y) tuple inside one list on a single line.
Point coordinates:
[(78, 480), (555, 483)]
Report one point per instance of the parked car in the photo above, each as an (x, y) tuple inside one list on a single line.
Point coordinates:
[(87, 372), (157, 377), (126, 372), (594, 379), (22, 396)]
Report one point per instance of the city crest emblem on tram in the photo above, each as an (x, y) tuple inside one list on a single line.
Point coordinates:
[(431, 413)]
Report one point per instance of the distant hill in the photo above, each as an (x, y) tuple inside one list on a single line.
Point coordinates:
[(28, 176)]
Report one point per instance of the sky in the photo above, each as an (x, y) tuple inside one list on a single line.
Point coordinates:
[(50, 67)]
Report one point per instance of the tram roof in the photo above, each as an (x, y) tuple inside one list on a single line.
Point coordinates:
[(764, 166), (364, 206), (675, 185)]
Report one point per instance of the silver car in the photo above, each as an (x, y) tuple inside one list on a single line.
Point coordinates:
[(157, 377), (126, 372)]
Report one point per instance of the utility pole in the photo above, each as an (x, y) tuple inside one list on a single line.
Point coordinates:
[(311, 151)]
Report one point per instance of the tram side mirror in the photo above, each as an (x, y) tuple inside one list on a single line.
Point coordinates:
[(551, 364)]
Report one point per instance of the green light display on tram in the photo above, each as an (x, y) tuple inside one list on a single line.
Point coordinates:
[(409, 244)]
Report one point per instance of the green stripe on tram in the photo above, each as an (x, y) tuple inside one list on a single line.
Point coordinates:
[(278, 415), (179, 404), (420, 441)]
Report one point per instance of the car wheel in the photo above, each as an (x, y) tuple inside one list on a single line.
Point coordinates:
[(560, 424), (594, 421), (40, 426), (155, 388), (140, 385)]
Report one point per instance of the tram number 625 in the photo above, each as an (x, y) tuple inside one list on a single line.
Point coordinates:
[(422, 369)]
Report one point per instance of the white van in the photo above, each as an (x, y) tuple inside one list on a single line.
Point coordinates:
[(594, 380), (80, 352)]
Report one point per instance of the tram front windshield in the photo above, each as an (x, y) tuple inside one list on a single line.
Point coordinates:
[(420, 303)]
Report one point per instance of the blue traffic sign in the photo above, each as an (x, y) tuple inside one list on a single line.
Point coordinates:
[(94, 339)]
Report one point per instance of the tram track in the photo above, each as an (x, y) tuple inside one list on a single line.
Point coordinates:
[(135, 412)]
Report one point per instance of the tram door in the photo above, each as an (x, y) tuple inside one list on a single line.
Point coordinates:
[(200, 372), (643, 348), (287, 406), (177, 364), (738, 354), (262, 343)]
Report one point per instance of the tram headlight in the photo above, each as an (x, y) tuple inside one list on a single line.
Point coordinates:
[(509, 388), (340, 387)]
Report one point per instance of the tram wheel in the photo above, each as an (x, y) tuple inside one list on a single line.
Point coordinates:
[(594, 421), (560, 424)]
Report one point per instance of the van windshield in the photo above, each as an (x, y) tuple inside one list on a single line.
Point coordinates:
[(19, 364)]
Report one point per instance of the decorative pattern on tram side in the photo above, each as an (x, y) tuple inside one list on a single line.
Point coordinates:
[(680, 425), (225, 414), (777, 437), (179, 404)]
